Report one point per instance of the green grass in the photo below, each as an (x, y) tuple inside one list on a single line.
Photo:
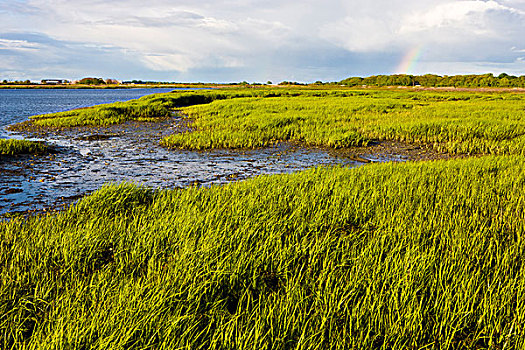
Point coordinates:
[(147, 108), (391, 256), (486, 123), (454, 122), (10, 147)]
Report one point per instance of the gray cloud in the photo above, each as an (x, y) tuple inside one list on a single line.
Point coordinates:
[(234, 40), (36, 56)]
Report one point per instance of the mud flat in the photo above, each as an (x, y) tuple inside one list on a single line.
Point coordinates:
[(85, 158)]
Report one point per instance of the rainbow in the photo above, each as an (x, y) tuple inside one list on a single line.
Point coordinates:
[(407, 64)]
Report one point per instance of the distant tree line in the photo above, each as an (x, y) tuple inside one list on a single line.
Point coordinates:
[(283, 83), (432, 80), (15, 82), (91, 81)]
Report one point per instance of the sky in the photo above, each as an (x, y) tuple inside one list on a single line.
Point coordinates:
[(258, 41)]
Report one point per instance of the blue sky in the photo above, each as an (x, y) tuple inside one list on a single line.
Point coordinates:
[(257, 41)]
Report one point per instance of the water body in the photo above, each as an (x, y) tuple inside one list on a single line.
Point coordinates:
[(18, 104), (88, 158)]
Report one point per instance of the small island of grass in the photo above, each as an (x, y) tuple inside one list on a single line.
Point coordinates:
[(9, 147), (455, 122)]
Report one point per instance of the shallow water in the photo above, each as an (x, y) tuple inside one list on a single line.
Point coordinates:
[(18, 104), (87, 158)]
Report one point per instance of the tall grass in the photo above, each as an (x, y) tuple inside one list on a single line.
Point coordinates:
[(146, 108), (10, 147), (486, 123), (454, 122), (391, 256)]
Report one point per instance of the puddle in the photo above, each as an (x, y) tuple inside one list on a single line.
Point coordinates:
[(87, 158)]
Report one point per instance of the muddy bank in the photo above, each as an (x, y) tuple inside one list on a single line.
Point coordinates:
[(395, 150), (85, 158)]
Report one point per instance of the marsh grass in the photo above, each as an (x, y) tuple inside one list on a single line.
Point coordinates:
[(482, 123), (11, 147), (415, 255), (453, 122), (146, 108)]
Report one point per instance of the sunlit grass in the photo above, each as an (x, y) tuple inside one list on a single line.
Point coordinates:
[(385, 256), (454, 122), (10, 147), (415, 255)]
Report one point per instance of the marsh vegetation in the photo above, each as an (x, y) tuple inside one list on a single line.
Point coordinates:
[(391, 256), (383, 256), (466, 122), (451, 122), (11, 147)]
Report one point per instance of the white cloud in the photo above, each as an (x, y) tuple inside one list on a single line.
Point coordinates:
[(446, 22), (452, 14), (167, 62), (487, 19), (7, 44), (273, 39), (360, 34)]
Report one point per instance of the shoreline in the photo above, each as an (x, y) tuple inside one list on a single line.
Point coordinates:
[(190, 86), (134, 149), (88, 157), (378, 151), (103, 87)]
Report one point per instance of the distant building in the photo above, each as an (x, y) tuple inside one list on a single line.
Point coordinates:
[(55, 81)]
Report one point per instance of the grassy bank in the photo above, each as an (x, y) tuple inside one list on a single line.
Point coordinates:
[(146, 108), (455, 122), (487, 123), (9, 147), (383, 256)]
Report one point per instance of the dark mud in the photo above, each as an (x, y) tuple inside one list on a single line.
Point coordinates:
[(378, 151), (84, 159)]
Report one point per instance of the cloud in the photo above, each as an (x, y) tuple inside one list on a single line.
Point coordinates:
[(463, 14), (449, 33), (44, 57), (17, 7), (253, 39), (18, 45), (483, 19), (447, 22)]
